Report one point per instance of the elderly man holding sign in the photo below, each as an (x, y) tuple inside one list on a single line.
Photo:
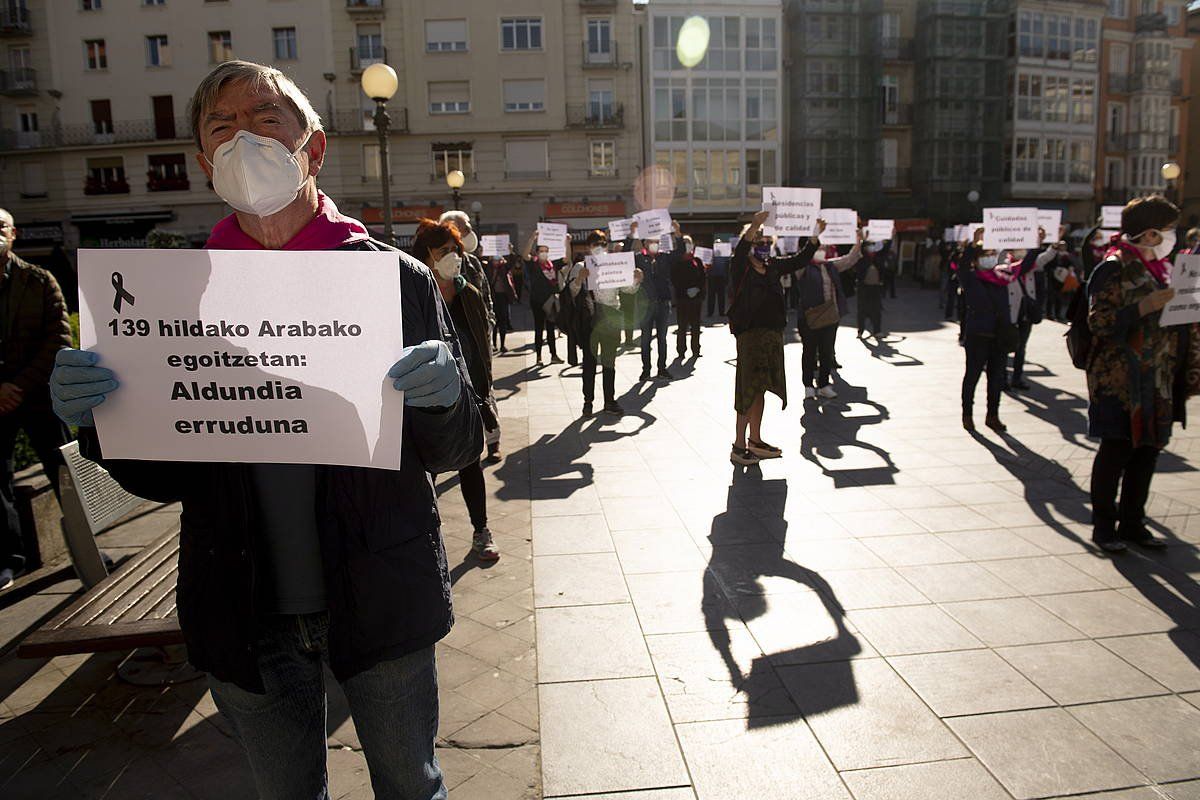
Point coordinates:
[(285, 566)]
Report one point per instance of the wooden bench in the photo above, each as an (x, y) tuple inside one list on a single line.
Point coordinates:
[(133, 607)]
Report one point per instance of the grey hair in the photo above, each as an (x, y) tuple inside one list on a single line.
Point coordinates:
[(5, 214), (456, 216), (259, 76)]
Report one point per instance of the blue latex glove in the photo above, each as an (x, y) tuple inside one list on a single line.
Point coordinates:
[(692, 292), (428, 375), (77, 386)]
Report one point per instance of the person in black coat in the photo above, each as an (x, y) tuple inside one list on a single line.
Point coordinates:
[(984, 285), (656, 294)]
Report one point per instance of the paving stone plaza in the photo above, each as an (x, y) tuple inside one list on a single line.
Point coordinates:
[(894, 609)]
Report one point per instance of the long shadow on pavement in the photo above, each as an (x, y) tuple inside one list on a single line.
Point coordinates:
[(733, 589), (829, 433)]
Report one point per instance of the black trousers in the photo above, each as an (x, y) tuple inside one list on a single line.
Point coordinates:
[(542, 326), (951, 298), (687, 321), (1119, 462), (1024, 328), (983, 354), (889, 283), (602, 350), (816, 357), (474, 492), (500, 303), (870, 307), (716, 294), (46, 433)]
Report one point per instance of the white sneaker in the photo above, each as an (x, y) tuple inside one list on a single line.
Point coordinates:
[(809, 393), (827, 392)]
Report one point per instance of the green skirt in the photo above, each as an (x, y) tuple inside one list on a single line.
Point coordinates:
[(759, 368)]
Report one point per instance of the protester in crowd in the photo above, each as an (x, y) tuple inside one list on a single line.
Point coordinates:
[(988, 328), (504, 294), (1191, 245), (33, 318), (718, 279), (286, 567), (599, 320), (656, 293), (472, 267), (822, 305), (1030, 280), (949, 257), (869, 273), (1139, 373), (541, 275), (758, 317), (1092, 250), (889, 269), (439, 246), (1069, 278), (687, 282)]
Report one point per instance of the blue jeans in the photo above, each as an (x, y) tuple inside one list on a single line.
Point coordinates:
[(394, 706), (657, 319)]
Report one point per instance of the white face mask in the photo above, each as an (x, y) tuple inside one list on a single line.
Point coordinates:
[(599, 250), (470, 242), (544, 256), (691, 248), (652, 248), (448, 266), (988, 262), (1164, 248), (257, 174)]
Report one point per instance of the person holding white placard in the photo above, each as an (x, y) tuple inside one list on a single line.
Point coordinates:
[(541, 276), (687, 281), (504, 294), (284, 568), (1139, 373), (822, 306), (656, 296), (989, 330), (758, 317), (598, 315)]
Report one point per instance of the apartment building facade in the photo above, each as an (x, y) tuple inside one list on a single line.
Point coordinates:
[(716, 131), (535, 101), (1146, 69), (1052, 108)]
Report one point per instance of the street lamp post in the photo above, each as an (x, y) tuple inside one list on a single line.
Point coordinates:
[(476, 208), (455, 180), (1171, 172), (379, 82)]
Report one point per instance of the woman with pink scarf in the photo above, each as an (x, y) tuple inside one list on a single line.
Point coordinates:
[(988, 328)]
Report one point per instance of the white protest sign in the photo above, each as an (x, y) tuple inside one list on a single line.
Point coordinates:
[(653, 224), (1050, 220), (788, 244), (881, 230), (705, 254), (841, 226), (495, 245), (1010, 228), (793, 211), (264, 356), (554, 236), (723, 249), (1184, 307), (610, 271), (666, 243), (1110, 216), (620, 229), (948, 234)]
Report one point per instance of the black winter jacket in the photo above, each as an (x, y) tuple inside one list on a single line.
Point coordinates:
[(386, 580)]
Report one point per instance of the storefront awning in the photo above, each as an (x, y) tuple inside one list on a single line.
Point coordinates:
[(124, 217)]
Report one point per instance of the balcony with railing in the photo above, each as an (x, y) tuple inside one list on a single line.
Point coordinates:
[(19, 81), (1150, 23), (897, 116), (896, 48), (600, 59), (157, 182), (14, 20), (95, 186), (361, 58), (364, 5), (364, 122), (896, 179), (1150, 81), (98, 133), (595, 115)]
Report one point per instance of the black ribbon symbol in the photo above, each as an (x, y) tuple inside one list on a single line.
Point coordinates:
[(122, 296)]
